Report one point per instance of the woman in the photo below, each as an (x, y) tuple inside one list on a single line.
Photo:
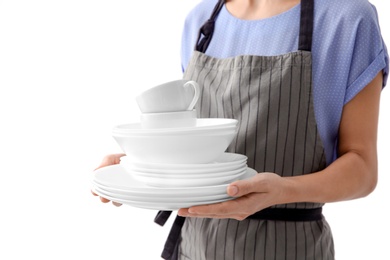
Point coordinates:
[(304, 80)]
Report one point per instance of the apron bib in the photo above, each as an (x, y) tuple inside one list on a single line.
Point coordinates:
[(271, 97)]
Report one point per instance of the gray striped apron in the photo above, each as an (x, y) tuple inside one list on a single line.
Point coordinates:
[(271, 96)]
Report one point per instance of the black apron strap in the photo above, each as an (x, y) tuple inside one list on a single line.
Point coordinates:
[(172, 243), (162, 217), (305, 30), (306, 25), (171, 246), (286, 214), (207, 30)]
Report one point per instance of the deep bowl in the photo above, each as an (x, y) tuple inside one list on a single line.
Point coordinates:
[(190, 148)]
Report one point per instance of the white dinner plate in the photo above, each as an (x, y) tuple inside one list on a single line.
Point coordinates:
[(160, 181), (199, 198), (225, 161), (115, 177), (159, 205), (165, 194), (191, 173), (184, 175)]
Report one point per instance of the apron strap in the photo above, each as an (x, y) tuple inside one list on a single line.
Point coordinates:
[(171, 246), (306, 25), (162, 217), (206, 32), (286, 214)]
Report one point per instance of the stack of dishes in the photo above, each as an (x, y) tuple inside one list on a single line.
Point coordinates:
[(165, 192), (227, 168), (173, 159)]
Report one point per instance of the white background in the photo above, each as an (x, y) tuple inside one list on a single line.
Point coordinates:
[(69, 71)]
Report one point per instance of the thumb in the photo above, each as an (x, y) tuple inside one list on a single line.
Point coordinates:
[(240, 188)]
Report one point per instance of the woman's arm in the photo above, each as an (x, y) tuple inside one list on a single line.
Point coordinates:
[(352, 175)]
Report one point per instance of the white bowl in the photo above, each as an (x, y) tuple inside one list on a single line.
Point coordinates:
[(168, 120), (203, 125), (182, 148)]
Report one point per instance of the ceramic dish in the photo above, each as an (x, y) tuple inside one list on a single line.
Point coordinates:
[(187, 173), (202, 125), (116, 178), (184, 175), (223, 162), (159, 205), (186, 182), (178, 149), (160, 199)]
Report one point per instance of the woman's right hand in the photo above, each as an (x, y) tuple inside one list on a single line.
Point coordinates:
[(108, 160)]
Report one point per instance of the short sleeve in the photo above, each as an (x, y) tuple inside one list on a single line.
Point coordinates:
[(369, 55)]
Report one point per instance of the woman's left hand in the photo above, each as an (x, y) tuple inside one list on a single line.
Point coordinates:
[(252, 195)]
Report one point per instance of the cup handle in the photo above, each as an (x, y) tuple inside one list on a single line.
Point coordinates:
[(196, 93)]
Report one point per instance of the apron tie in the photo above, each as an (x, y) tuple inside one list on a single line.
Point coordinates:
[(170, 251), (162, 217), (207, 30)]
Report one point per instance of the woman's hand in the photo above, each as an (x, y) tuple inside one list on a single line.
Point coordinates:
[(108, 160), (252, 195)]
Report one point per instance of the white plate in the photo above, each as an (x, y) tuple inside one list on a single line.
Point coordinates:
[(160, 181), (185, 172), (184, 175), (165, 194), (158, 205), (160, 199), (226, 160), (115, 177)]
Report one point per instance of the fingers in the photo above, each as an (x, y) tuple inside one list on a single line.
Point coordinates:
[(104, 200), (237, 216), (241, 188), (110, 159), (218, 209)]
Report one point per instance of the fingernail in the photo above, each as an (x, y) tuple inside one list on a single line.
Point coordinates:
[(116, 204), (233, 190)]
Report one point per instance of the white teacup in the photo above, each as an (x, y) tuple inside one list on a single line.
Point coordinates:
[(178, 95), (168, 119)]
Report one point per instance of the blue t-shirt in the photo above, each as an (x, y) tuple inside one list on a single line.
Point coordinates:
[(348, 50)]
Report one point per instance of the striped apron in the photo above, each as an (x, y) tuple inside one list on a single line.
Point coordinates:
[(271, 97)]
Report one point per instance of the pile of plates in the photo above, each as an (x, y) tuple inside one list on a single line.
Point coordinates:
[(170, 186), (225, 169)]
